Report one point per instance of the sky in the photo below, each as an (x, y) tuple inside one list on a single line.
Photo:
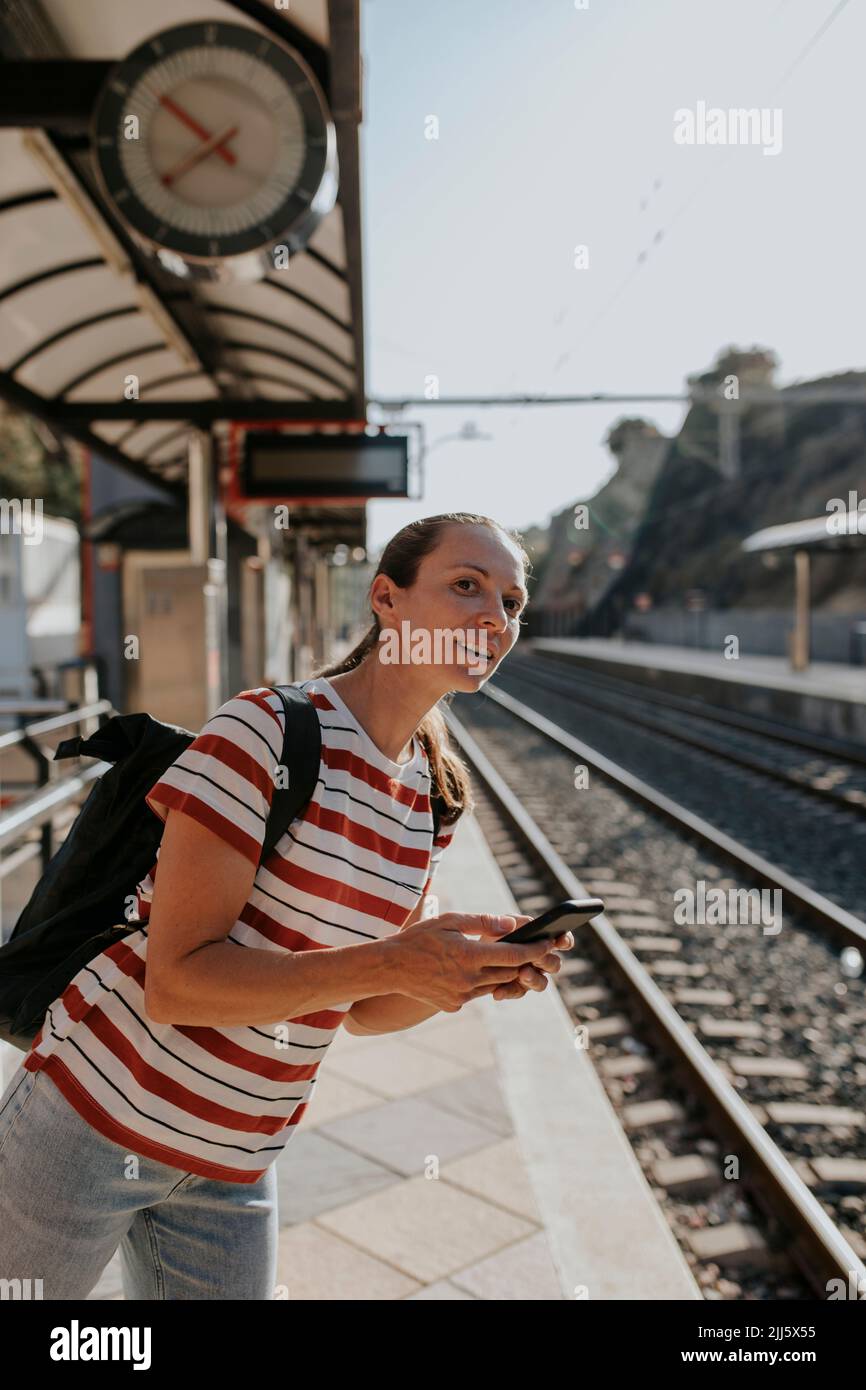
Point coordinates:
[(556, 129)]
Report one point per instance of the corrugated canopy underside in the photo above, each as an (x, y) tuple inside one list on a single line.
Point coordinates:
[(75, 321)]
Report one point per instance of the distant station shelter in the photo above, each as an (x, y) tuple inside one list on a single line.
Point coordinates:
[(839, 530)]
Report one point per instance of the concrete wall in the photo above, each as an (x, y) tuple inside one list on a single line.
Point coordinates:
[(835, 637)]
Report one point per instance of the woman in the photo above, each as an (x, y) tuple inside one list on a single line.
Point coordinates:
[(173, 1070)]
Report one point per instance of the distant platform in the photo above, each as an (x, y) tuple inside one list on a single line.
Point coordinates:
[(827, 698)]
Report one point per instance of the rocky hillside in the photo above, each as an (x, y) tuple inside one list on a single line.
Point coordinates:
[(674, 515), (590, 540)]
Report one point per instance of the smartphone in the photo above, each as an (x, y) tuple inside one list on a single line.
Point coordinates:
[(574, 912)]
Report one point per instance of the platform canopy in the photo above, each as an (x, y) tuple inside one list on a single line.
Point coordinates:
[(832, 530), (81, 305)]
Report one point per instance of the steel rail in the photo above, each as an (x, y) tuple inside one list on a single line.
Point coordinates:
[(817, 1246), (833, 918), (574, 688)]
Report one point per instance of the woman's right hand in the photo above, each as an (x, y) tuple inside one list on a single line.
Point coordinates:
[(440, 965)]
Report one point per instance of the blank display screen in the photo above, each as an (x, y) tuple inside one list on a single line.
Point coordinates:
[(323, 465)]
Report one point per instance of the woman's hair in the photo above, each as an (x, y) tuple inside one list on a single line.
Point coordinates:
[(400, 561)]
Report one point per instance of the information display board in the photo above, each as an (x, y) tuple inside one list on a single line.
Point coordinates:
[(306, 467)]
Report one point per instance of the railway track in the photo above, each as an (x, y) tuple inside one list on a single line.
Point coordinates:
[(828, 769), (793, 802), (787, 736), (732, 1055)]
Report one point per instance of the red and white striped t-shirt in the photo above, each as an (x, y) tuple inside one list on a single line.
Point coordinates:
[(224, 1102)]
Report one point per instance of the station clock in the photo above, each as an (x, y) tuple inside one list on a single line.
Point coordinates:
[(214, 146)]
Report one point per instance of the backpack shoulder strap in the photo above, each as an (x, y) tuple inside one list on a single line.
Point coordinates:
[(302, 747), (438, 807), (302, 750)]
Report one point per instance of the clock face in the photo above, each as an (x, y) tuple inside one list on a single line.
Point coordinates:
[(213, 141)]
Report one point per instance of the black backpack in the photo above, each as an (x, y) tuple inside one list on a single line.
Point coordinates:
[(79, 904)]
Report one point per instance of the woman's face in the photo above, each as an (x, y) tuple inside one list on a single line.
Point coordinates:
[(462, 614)]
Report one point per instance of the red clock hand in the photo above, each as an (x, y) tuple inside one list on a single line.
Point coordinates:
[(192, 124), (197, 155)]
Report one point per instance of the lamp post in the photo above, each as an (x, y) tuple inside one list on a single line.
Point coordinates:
[(468, 432)]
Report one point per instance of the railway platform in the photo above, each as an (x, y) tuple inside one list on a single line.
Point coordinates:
[(827, 698), (536, 1194)]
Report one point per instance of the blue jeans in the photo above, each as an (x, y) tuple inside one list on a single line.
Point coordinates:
[(70, 1197)]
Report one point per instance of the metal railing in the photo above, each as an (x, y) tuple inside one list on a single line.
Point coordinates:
[(38, 809)]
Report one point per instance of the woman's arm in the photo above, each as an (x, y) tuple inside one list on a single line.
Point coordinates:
[(196, 976), (394, 1012)]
